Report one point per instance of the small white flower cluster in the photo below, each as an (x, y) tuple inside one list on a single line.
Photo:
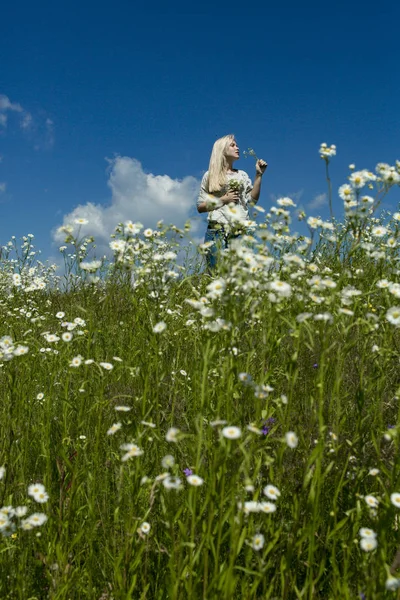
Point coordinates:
[(38, 492), (131, 450), (8, 349), (326, 152), (261, 391), (78, 360), (368, 540), (7, 513), (254, 506), (90, 266)]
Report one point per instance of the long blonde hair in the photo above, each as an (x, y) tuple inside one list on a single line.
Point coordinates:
[(218, 164)]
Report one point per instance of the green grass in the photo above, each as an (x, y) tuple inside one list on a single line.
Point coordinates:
[(334, 381)]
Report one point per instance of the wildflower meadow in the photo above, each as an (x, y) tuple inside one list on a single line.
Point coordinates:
[(172, 434)]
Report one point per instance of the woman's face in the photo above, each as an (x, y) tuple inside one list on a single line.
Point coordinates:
[(232, 151)]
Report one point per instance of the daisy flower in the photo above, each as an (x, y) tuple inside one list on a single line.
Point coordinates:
[(107, 366), (257, 542), (159, 327), (368, 544), (114, 428), (145, 527), (395, 499), (36, 488), (131, 451), (172, 434), (291, 439), (195, 480), (267, 507), (76, 361), (231, 433), (371, 501), (393, 315), (271, 492), (367, 533), (37, 519)]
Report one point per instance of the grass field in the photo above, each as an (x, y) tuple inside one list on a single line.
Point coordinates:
[(170, 434)]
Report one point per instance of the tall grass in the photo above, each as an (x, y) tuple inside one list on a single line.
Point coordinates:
[(281, 370)]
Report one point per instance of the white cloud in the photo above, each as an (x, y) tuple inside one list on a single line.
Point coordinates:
[(2, 187), (5, 106), (27, 121), (136, 196), (319, 200), (39, 129)]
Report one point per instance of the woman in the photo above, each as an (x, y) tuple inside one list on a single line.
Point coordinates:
[(225, 194)]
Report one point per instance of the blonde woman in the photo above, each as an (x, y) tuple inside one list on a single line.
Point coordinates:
[(225, 194)]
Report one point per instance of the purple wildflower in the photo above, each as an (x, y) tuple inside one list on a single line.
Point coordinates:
[(188, 472), (266, 425)]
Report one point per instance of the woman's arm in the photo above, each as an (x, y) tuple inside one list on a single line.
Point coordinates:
[(261, 165), (213, 202), (255, 192)]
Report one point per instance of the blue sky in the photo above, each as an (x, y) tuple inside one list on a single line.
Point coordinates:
[(150, 89)]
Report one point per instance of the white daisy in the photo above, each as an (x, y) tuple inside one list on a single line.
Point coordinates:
[(371, 501), (145, 527), (131, 450), (107, 366), (267, 507), (172, 483), (367, 533), (114, 428), (36, 488), (368, 544), (257, 542), (37, 519), (21, 350), (172, 434), (232, 433), (395, 499), (195, 480), (291, 439), (271, 492), (379, 231), (76, 361), (393, 315)]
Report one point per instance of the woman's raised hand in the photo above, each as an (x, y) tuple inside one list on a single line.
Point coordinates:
[(261, 165)]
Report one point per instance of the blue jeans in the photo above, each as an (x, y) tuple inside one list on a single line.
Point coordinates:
[(221, 241)]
